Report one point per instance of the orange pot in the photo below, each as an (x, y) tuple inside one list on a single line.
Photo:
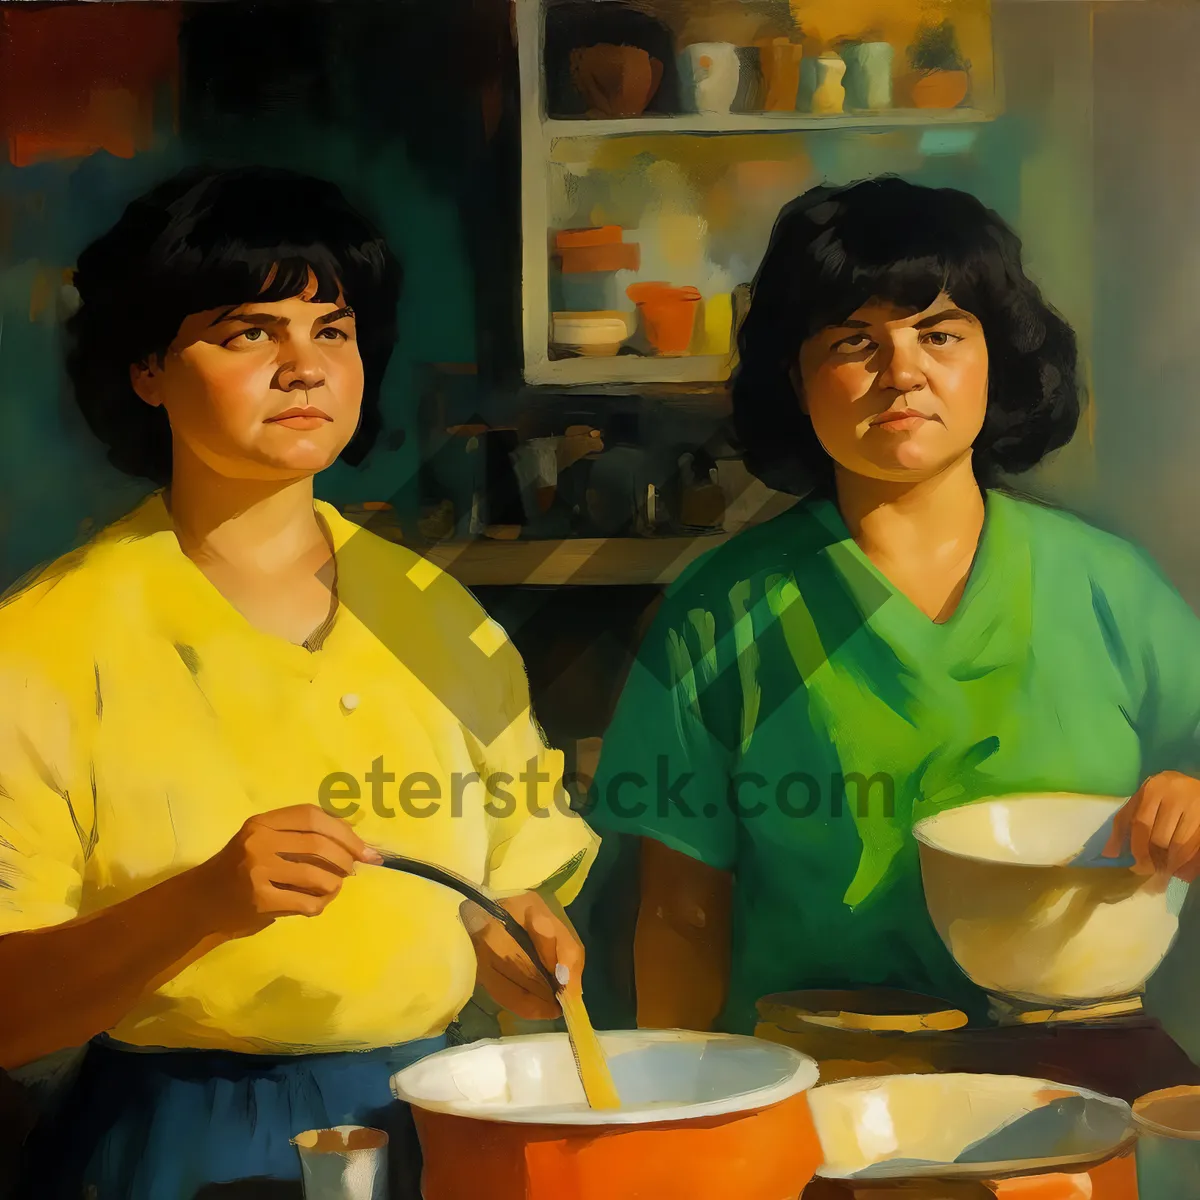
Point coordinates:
[(618, 256), (770, 1154), (780, 61), (940, 89), (703, 1117), (668, 315), (603, 235)]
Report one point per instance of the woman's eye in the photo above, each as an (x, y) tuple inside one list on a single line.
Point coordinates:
[(853, 345), (332, 335), (939, 337), (253, 337)]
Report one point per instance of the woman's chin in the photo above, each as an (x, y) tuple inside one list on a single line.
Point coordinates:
[(274, 468)]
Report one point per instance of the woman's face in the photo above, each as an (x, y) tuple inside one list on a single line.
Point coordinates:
[(265, 390), (897, 395)]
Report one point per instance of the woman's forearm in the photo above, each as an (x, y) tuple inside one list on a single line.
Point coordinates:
[(69, 982), (682, 944)]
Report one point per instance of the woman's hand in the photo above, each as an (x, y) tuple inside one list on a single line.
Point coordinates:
[(288, 862), (504, 970), (1162, 826)]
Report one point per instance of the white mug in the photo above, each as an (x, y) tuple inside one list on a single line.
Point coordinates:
[(714, 70)]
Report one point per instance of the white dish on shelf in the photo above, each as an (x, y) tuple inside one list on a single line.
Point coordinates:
[(592, 334)]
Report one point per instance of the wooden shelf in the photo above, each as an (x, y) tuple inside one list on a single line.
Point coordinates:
[(769, 122), (581, 562), (629, 369)]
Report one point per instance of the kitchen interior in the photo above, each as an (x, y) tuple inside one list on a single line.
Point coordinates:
[(586, 187)]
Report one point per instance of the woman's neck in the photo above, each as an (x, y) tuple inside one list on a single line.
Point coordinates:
[(253, 525), (923, 536)]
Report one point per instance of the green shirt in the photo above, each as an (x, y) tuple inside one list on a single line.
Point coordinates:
[(791, 715)]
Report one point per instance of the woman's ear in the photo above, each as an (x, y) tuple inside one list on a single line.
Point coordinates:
[(798, 386), (144, 378)]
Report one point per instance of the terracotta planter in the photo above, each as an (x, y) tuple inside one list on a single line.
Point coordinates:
[(940, 89), (615, 81), (668, 315)]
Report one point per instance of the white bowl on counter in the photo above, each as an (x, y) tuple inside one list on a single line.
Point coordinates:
[(1020, 895), (963, 1126)]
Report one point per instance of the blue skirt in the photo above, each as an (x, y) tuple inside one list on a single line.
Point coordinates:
[(195, 1124)]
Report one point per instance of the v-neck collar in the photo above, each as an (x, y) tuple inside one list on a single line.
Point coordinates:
[(1000, 567), (152, 518)]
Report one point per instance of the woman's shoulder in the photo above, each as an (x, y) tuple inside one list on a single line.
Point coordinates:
[(1078, 557), (423, 616), (62, 599), (1067, 537), (397, 579), (751, 558), (53, 620)]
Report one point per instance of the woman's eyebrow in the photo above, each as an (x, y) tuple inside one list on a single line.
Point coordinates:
[(231, 314), (946, 314), (850, 323)]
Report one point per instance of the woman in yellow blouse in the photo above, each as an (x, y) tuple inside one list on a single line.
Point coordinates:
[(214, 714)]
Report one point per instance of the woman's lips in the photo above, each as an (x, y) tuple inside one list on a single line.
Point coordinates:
[(899, 420), (300, 418)]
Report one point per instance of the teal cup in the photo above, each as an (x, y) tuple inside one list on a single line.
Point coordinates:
[(1168, 1146)]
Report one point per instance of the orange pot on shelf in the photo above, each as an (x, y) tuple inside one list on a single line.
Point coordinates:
[(940, 89), (780, 62), (601, 235), (616, 256), (668, 315)]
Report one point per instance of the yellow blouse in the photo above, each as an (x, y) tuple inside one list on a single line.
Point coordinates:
[(143, 719)]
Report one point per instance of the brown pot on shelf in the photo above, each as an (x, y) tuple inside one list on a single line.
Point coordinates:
[(940, 89), (615, 81)]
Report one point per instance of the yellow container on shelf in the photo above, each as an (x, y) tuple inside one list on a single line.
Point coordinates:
[(716, 325)]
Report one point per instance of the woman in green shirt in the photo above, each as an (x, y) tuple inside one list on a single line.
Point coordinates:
[(907, 638)]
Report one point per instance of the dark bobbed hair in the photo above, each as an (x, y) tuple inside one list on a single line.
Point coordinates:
[(209, 239), (835, 249)]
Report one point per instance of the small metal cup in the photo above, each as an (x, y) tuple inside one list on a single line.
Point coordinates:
[(347, 1162)]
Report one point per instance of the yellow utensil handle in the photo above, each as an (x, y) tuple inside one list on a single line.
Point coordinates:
[(594, 1074)]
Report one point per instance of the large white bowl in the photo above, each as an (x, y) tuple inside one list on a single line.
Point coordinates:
[(661, 1075), (1020, 895), (961, 1126)]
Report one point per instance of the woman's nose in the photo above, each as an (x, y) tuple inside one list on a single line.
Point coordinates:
[(904, 370), (301, 370)]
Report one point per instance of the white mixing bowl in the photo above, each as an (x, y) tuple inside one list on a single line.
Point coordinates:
[(959, 1126), (1019, 893)]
